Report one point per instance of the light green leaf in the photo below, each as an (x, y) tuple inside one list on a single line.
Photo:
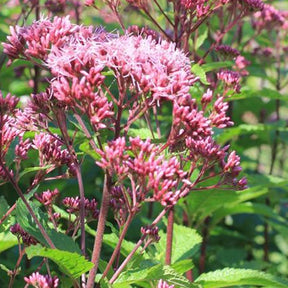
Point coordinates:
[(72, 264), (85, 147), (143, 133), (230, 277), (185, 243), (199, 72), (216, 65), (202, 36), (34, 169), (7, 240), (4, 207), (154, 273)]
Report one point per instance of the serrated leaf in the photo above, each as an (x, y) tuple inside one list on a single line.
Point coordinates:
[(230, 277), (153, 273), (24, 218), (199, 72), (183, 266), (72, 264), (185, 243)]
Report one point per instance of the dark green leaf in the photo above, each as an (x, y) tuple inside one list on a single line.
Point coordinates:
[(230, 277), (72, 264)]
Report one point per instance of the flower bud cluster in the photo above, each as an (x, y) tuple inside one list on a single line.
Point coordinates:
[(73, 206), (42, 281), (26, 238)]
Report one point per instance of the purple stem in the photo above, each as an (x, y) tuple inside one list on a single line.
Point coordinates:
[(100, 230), (169, 239)]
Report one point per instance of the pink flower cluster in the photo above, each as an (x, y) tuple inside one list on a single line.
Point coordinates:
[(26, 238), (47, 198), (40, 281), (164, 284), (146, 170), (73, 206), (270, 18)]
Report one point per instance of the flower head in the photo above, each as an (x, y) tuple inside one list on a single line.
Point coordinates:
[(40, 281)]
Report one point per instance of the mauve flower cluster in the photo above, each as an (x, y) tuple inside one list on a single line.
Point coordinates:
[(270, 18), (147, 73), (231, 79), (146, 170), (47, 198), (227, 51), (40, 281), (7, 130), (252, 5), (73, 206), (200, 6), (26, 238)]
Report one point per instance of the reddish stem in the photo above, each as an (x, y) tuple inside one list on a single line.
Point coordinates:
[(169, 239), (100, 230)]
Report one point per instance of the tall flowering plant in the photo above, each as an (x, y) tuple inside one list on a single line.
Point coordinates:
[(105, 95)]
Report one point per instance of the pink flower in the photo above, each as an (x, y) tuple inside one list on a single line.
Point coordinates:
[(40, 281), (227, 51), (48, 197), (218, 116), (163, 284), (231, 79), (26, 238), (252, 5)]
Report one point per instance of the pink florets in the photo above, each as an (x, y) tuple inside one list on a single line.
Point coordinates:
[(163, 284), (270, 18), (218, 116), (40, 281), (231, 79)]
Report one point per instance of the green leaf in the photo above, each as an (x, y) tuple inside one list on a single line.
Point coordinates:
[(230, 277), (72, 264), (247, 92), (7, 240), (185, 243), (183, 266), (34, 169), (24, 218), (199, 72), (156, 272), (247, 208), (126, 247), (216, 65), (202, 36), (4, 207), (85, 147), (200, 204), (143, 133)]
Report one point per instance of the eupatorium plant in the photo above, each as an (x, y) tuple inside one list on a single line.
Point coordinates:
[(108, 83)]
